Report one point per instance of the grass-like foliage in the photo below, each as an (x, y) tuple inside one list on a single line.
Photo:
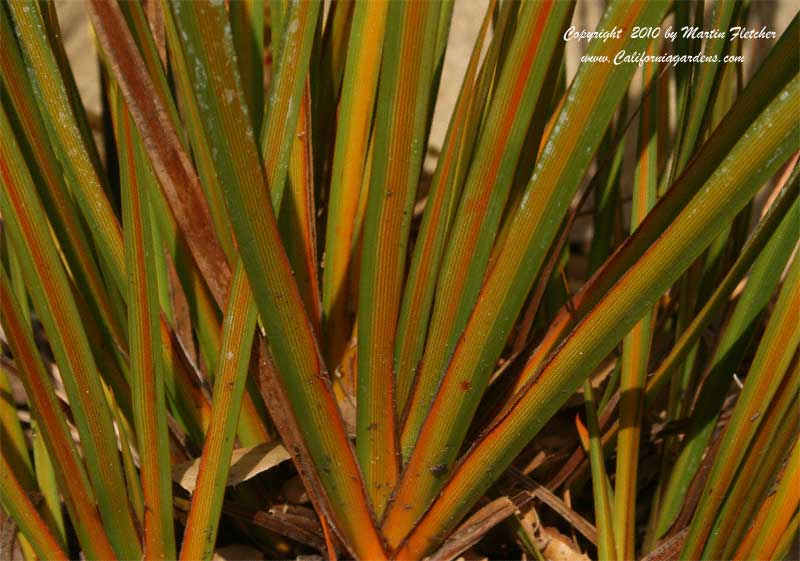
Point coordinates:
[(576, 332)]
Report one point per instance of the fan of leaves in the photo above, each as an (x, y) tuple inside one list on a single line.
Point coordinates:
[(243, 260)]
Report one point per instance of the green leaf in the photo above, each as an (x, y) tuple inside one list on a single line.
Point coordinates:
[(52, 297), (769, 142), (229, 386), (480, 209), (775, 351), (402, 110), (169, 160), (16, 502), (418, 294), (71, 474), (604, 517), (15, 447), (764, 277), (302, 374), (349, 162), (636, 344), (763, 459), (580, 125), (67, 138), (282, 105), (767, 82), (146, 368), (778, 514), (285, 140), (297, 217), (247, 23), (702, 82)]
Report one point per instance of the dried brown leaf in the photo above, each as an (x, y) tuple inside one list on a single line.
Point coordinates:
[(246, 463), (474, 528)]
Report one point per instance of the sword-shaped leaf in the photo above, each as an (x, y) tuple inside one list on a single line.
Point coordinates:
[(578, 129), (768, 143)]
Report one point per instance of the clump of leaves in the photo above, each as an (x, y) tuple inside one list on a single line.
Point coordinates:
[(247, 264)]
